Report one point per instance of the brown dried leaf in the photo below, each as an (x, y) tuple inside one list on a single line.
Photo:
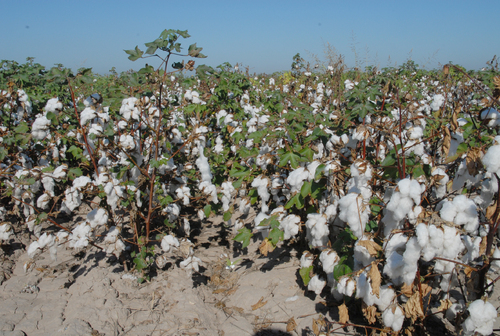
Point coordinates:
[(343, 313), (454, 116), (426, 289), (473, 161), (291, 325), (316, 328), (370, 313), (265, 247), (468, 271), (374, 275), (413, 308), (482, 246), (446, 141), (407, 290), (371, 246), (445, 305), (490, 211), (259, 304)]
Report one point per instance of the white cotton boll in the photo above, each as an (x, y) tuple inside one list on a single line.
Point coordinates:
[(191, 264), (316, 284), (437, 102), (43, 201), (112, 235), (441, 179), (472, 245), (96, 217), (33, 248), (296, 179), (258, 219), (81, 182), (346, 286), (329, 258), (452, 243), (414, 213), (422, 234), (53, 105), (362, 257), (5, 231), (128, 109), (394, 267), (452, 312), (492, 116), (393, 317), (317, 230), (40, 128), (496, 263), (306, 260), (227, 190), (87, 115), (187, 226), (127, 142), (290, 226), (168, 242), (461, 211), (261, 185), (491, 160), (354, 213), (481, 319), (79, 237), (244, 207), (172, 210), (410, 260)]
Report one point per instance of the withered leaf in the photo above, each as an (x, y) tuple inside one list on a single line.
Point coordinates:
[(446, 141), (376, 279), (371, 246), (265, 247), (291, 325), (445, 305), (468, 271), (413, 308), (259, 304), (315, 327), (343, 313), (473, 160), (482, 246), (490, 211), (426, 289), (407, 290), (370, 313)]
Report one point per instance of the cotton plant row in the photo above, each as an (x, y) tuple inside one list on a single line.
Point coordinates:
[(305, 154)]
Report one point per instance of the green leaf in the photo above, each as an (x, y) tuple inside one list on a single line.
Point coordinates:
[(193, 51), (462, 148), (140, 264), (74, 173), (296, 200), (305, 274), (244, 236), (3, 153), (306, 189), (291, 157), (207, 210), (135, 54), (340, 270), (389, 160), (275, 235), (22, 128), (227, 215)]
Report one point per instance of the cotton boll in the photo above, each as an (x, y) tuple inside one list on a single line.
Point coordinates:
[(393, 317), (496, 263), (40, 128), (191, 264), (168, 242), (316, 284), (87, 115), (5, 231), (306, 260), (362, 257), (481, 319), (452, 312), (346, 286), (472, 245), (329, 258), (492, 117), (97, 217), (43, 201), (354, 213), (410, 260), (32, 249), (317, 230), (440, 181), (290, 226)]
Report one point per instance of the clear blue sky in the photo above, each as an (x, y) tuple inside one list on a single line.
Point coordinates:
[(263, 35)]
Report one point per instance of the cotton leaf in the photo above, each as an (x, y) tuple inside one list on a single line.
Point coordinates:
[(265, 247), (343, 313)]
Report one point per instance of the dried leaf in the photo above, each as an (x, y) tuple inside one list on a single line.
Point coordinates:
[(371, 246), (468, 271), (426, 289), (259, 304), (490, 211), (291, 325), (454, 116), (343, 313), (482, 246), (265, 247), (413, 308), (473, 161), (315, 327), (445, 305), (446, 141), (407, 290), (370, 313), (374, 275)]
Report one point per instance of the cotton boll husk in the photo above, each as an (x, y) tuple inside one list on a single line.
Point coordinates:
[(316, 284), (393, 317), (481, 319), (451, 313)]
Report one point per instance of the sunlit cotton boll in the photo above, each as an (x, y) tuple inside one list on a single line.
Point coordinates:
[(290, 226), (393, 317), (316, 284), (354, 213), (492, 116), (317, 230), (461, 211), (481, 319), (96, 217), (40, 128), (168, 242)]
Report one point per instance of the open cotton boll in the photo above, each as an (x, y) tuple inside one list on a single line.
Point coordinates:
[(440, 181), (290, 226), (53, 105), (317, 230), (172, 211), (79, 237), (227, 190), (316, 284), (87, 115), (481, 319), (191, 264), (306, 260), (496, 263), (96, 217), (463, 178), (461, 211), (393, 317), (346, 286), (261, 185), (184, 193), (168, 242), (364, 291), (362, 257), (491, 160), (354, 213), (5, 231), (43, 201), (40, 128), (128, 109), (491, 116), (437, 102), (296, 179), (472, 245)]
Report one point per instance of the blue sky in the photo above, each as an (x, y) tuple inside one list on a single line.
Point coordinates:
[(263, 35)]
